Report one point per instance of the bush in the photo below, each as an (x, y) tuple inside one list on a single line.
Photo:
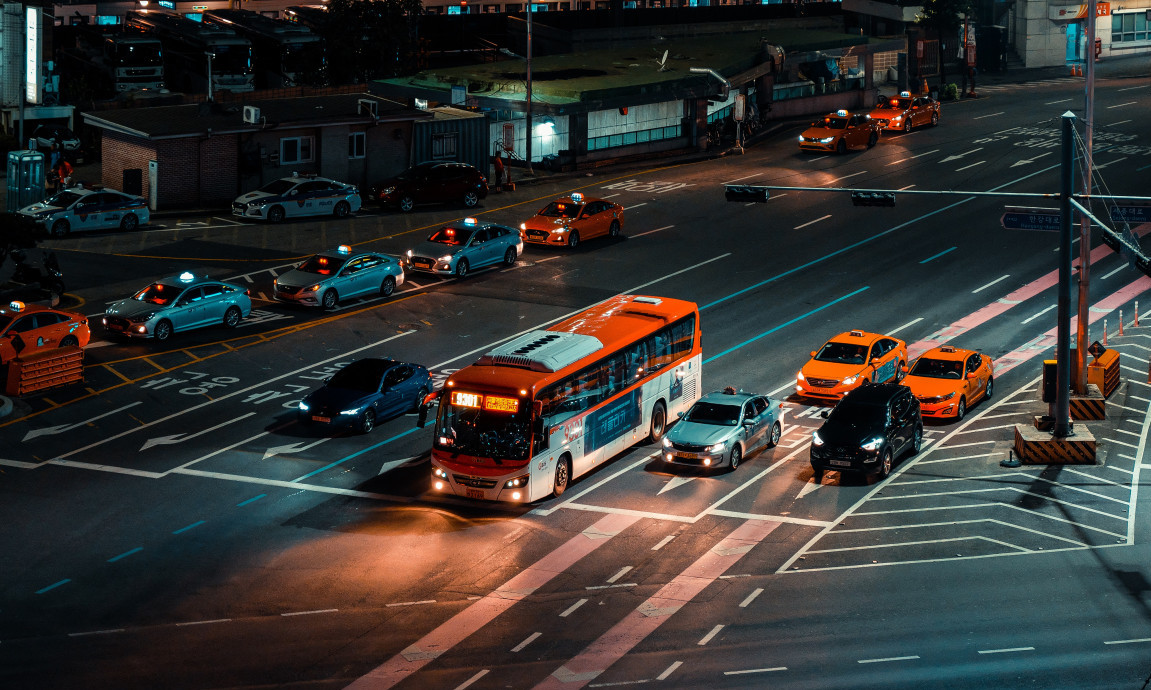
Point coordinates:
[(950, 93)]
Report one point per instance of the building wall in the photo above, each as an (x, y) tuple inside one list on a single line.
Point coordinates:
[(193, 172), (119, 153)]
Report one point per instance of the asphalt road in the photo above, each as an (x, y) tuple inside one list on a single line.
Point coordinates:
[(170, 524)]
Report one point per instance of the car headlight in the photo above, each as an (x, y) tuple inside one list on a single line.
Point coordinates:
[(816, 439), (141, 318), (409, 253), (850, 380), (388, 190), (447, 258), (516, 482), (666, 442), (801, 137), (304, 406), (873, 445), (523, 226), (354, 410), (827, 140), (717, 447), (257, 203), (897, 118), (799, 377), (311, 288)]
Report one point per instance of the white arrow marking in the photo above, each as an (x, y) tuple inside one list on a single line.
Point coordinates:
[(675, 481), (291, 448), (961, 155), (60, 428), (809, 487), (393, 464), (180, 438), (1026, 161)]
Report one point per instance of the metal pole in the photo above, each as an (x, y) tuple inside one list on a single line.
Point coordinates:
[(1063, 338), (528, 112), (209, 77), (1081, 334)]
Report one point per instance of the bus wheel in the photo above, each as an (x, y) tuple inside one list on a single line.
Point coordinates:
[(563, 476), (658, 423)]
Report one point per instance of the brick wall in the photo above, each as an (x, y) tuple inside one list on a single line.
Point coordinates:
[(194, 172), (118, 153)]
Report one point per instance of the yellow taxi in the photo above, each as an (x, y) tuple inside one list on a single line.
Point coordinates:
[(850, 360), (905, 112), (948, 380), (29, 328), (840, 131), (568, 220)]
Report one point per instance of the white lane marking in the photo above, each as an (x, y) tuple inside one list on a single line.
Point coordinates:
[(622, 584), (669, 670), (530, 638), (731, 181), (885, 660), (181, 437), (1132, 641), (861, 172), (471, 680), (1131, 88), (811, 222), (1064, 100), (571, 609), (97, 632), (1121, 105), (651, 231), (957, 156), (904, 189), (754, 670), (969, 166), (628, 208), (1105, 277), (984, 287), (59, 428), (1121, 122), (410, 603), (308, 613), (809, 487), (208, 622), (674, 482), (986, 116), (663, 542), (707, 637), (622, 571), (1007, 651), (914, 157), (906, 325), (751, 597)]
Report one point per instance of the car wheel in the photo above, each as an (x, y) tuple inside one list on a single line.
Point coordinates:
[(917, 440), (988, 389), (886, 463), (407, 203), (573, 239), (563, 476), (613, 231), (61, 228), (934, 119), (961, 411), (232, 317), (736, 456), (162, 331), (841, 147), (276, 214), (471, 199), (510, 257), (423, 393), (367, 422), (69, 341), (342, 210), (330, 299), (129, 223), (900, 374), (658, 423), (873, 139), (907, 125), (462, 269), (776, 433), (388, 286)]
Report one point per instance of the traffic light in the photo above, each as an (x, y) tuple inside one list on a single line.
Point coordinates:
[(743, 192), (873, 198)]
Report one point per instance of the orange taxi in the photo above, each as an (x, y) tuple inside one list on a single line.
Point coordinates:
[(840, 131), (947, 380), (29, 328), (571, 219), (906, 112), (850, 360)]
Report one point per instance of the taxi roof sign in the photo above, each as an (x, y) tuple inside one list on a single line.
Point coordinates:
[(187, 277), (577, 197), (16, 306), (905, 94), (470, 221), (856, 334), (344, 249), (947, 348), (841, 113)]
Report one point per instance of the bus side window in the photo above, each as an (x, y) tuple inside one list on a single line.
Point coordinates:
[(659, 350), (636, 361), (615, 370)]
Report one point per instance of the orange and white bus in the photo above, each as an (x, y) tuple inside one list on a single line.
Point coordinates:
[(548, 406)]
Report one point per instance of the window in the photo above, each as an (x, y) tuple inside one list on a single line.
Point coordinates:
[(444, 146), (357, 144), (296, 150), (1130, 26)]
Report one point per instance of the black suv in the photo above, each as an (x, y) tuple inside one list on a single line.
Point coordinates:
[(869, 428), (431, 183)]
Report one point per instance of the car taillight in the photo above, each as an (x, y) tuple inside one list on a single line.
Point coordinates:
[(248, 292)]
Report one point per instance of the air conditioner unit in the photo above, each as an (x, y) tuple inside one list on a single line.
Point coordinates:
[(368, 106), (251, 115)]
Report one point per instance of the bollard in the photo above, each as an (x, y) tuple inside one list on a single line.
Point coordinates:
[(1104, 332), (1120, 333), (1136, 324), (1010, 461)]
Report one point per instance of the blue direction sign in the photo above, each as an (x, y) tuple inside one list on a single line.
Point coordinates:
[(1131, 214), (1026, 218)]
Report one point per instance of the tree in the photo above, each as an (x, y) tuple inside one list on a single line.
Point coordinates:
[(384, 41), (944, 17)]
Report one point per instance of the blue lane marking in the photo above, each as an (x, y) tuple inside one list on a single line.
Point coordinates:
[(53, 586), (1143, 168), (250, 500), (837, 252), (113, 559), (783, 325), (945, 251), (357, 453), (185, 529)]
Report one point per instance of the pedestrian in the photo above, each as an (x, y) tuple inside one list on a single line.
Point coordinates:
[(499, 166), (63, 174), (54, 156)]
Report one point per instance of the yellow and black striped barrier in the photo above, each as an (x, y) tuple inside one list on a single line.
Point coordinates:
[(1091, 405), (1035, 447), (1104, 373)]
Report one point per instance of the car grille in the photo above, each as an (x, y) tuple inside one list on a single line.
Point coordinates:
[(536, 235), (689, 447), (237, 206), (287, 289), (421, 262), (474, 482), (822, 383), (117, 322)]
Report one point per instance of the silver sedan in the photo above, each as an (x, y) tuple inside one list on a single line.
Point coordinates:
[(328, 277), (722, 428), (179, 303), (458, 248)]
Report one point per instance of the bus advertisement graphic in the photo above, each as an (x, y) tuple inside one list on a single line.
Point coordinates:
[(607, 423)]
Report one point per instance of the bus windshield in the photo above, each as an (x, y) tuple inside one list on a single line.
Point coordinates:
[(486, 426), (138, 55), (302, 58), (232, 59)]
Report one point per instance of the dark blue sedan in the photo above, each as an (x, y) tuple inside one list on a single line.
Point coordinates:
[(367, 390)]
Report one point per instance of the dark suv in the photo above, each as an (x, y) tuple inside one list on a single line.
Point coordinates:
[(869, 428), (431, 183)]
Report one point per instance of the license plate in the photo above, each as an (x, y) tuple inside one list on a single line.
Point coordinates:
[(687, 456), (841, 463), (473, 493), (325, 420), (115, 327)]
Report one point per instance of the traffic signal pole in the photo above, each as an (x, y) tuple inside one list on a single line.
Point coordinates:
[(1063, 331), (1084, 222)]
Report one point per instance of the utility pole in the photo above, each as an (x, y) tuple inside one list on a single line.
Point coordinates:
[(528, 112), (1063, 327), (1084, 221)]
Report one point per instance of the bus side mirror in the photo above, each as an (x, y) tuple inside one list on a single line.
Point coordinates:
[(538, 426)]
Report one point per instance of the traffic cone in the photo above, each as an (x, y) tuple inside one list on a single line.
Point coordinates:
[(1120, 333)]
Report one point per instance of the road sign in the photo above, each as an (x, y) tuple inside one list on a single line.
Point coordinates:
[(1131, 214), (1025, 218)]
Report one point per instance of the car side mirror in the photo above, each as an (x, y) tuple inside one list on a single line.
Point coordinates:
[(294, 192), (875, 360), (813, 353), (905, 368), (823, 414), (183, 303), (679, 415), (749, 423), (971, 375), (915, 107)]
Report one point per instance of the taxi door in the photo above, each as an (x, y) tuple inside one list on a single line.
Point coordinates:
[(213, 304), (22, 338), (356, 279), (977, 385), (483, 249), (111, 210), (885, 368), (597, 219), (188, 312)]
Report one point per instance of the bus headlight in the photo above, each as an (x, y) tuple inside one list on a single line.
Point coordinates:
[(516, 482), (438, 472)]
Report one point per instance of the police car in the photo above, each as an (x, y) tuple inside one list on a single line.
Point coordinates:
[(298, 196), (328, 277), (175, 304), (77, 208)]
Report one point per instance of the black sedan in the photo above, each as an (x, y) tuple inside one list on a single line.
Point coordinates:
[(365, 391), (869, 428)]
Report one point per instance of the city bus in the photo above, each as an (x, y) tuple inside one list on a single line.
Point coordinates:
[(286, 53), (197, 57), (537, 412)]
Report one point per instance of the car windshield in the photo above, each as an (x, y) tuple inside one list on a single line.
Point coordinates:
[(64, 199), (938, 369), (158, 293), (561, 209), (416, 173), (831, 123), (363, 376), (278, 187), (452, 236), (850, 412), (713, 413), (843, 353), (482, 431), (322, 265)]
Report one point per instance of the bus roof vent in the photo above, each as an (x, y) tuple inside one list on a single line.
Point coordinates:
[(648, 300), (542, 351)]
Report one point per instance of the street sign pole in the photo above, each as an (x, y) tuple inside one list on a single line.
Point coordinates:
[(1084, 222), (1063, 338)]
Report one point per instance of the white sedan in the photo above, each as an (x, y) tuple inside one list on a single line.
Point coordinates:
[(77, 208), (297, 196)]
